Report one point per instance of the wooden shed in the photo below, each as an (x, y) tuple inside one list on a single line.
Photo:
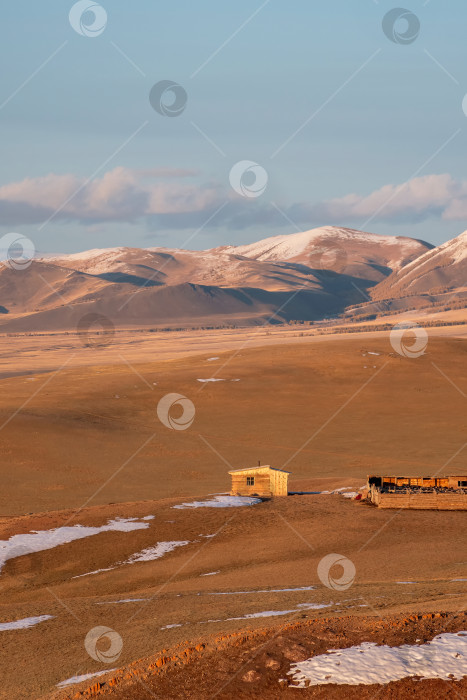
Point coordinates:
[(263, 481), (421, 492)]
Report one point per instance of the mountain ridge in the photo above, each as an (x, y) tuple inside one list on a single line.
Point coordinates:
[(309, 275)]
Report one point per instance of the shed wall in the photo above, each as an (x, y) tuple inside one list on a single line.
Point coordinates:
[(261, 487), (267, 483), (420, 501)]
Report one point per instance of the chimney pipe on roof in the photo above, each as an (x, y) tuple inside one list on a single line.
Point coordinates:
[(259, 463)]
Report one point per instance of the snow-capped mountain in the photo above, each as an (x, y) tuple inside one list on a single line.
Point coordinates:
[(303, 276), (331, 245), (439, 270), (367, 256)]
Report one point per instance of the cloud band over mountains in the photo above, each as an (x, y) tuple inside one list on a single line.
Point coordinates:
[(167, 198)]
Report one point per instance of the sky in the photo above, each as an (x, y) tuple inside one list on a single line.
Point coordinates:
[(201, 124)]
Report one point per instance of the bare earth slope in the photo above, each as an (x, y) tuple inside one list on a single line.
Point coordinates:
[(441, 269)]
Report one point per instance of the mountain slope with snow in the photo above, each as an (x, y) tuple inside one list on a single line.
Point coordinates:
[(303, 276), (338, 249), (439, 270)]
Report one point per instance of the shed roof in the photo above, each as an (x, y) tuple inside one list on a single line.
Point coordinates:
[(262, 466)]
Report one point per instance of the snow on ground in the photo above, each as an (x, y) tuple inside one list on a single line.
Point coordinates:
[(211, 573), (349, 493), (270, 590), (149, 554), (85, 677), (212, 379), (275, 613), (24, 623), (124, 600), (169, 627), (155, 552), (343, 488), (263, 613), (221, 502), (93, 573), (210, 359), (444, 657), (40, 540)]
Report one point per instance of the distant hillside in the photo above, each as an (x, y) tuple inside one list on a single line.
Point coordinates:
[(303, 276)]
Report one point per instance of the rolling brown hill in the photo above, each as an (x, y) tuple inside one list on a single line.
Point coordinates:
[(436, 280), (304, 276), (439, 270)]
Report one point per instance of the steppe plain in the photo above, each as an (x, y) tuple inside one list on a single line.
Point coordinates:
[(82, 445)]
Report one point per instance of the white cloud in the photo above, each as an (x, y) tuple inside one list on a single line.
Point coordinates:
[(165, 197), (120, 194), (415, 200)]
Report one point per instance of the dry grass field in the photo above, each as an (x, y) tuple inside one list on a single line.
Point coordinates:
[(91, 434), (83, 444)]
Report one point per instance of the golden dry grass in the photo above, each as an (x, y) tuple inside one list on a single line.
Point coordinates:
[(322, 409), (74, 443)]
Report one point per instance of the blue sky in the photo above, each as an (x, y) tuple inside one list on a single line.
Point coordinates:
[(83, 147)]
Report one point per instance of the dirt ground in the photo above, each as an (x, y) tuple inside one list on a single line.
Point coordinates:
[(255, 664), (260, 552), (84, 445)]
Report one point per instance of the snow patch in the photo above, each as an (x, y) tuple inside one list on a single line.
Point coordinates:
[(93, 573), (444, 657), (155, 552), (40, 540), (270, 590), (24, 623), (85, 677), (124, 600), (148, 554), (275, 613), (222, 502)]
